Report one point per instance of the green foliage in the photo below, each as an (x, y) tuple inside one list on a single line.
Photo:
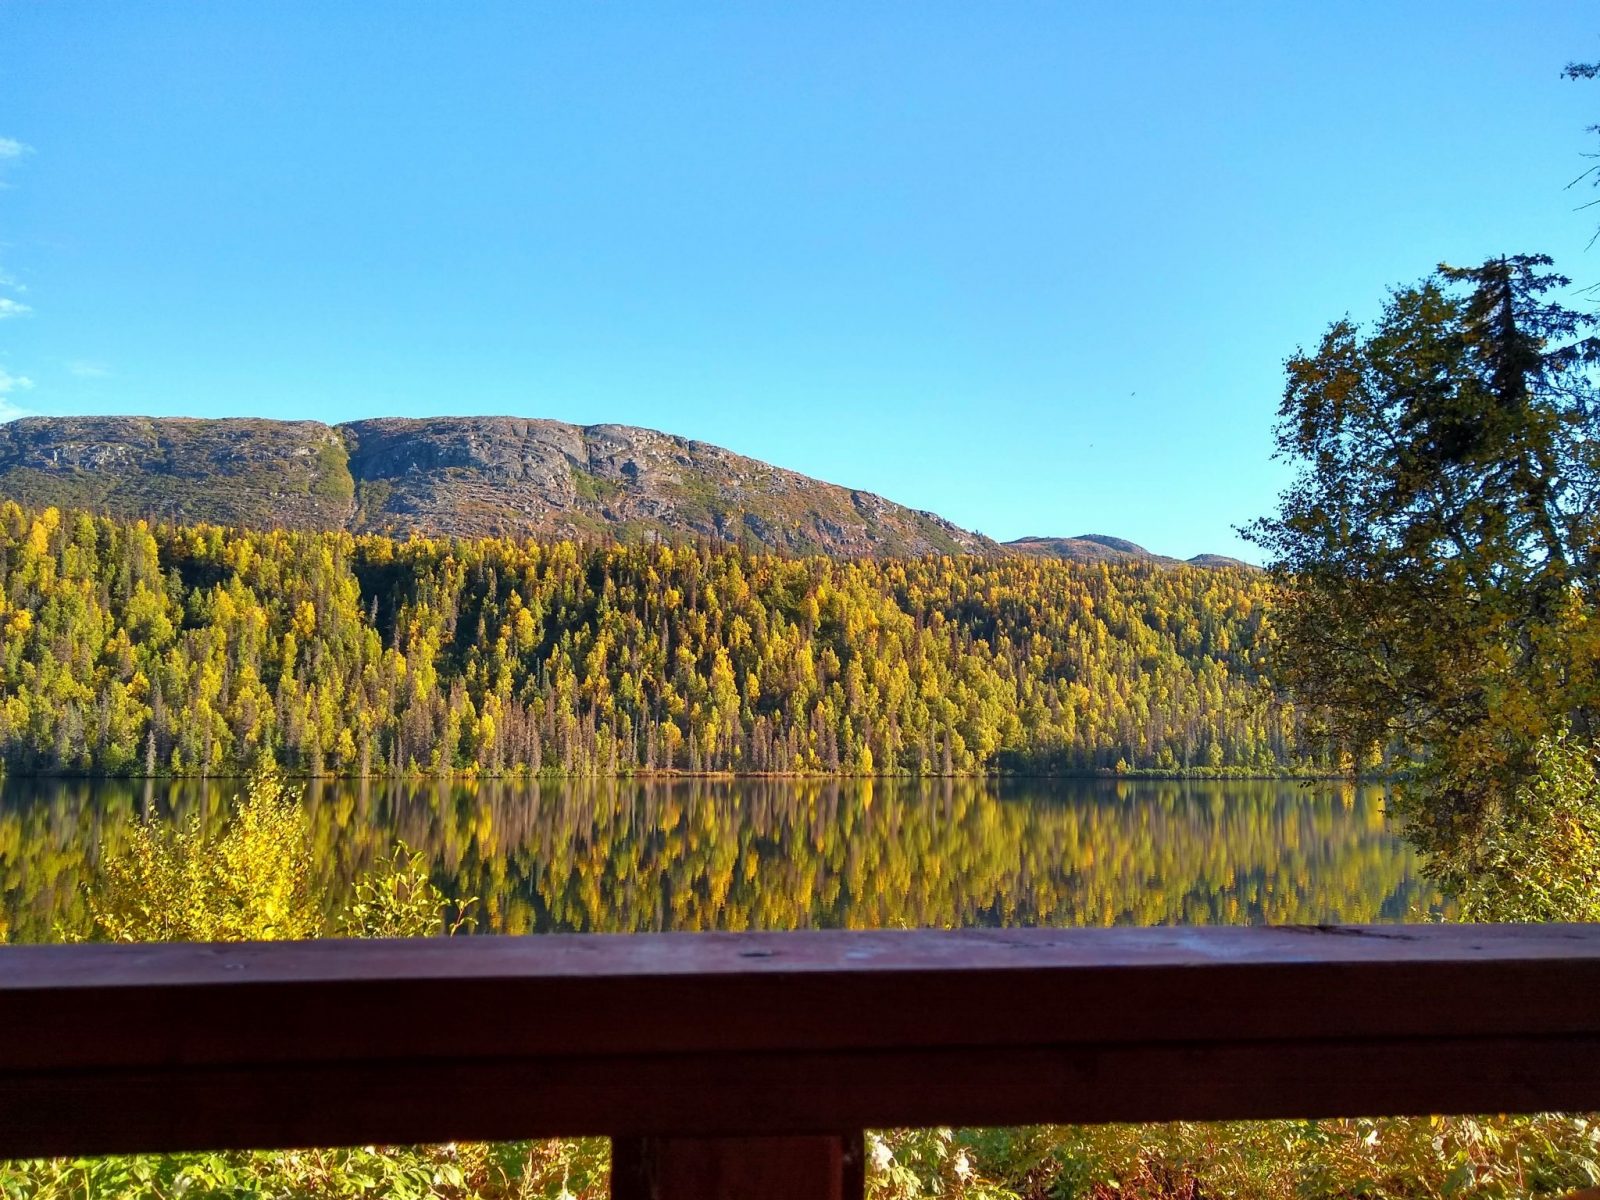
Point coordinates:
[(126, 648), (249, 877), (248, 882), (592, 487), (1436, 553), (1537, 856), (1473, 1158), (332, 481), (398, 898), (547, 1170)]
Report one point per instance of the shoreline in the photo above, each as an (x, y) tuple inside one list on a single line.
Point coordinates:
[(1107, 774)]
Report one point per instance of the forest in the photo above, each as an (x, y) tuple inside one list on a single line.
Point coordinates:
[(131, 648)]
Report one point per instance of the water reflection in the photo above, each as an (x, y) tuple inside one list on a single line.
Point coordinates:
[(766, 854)]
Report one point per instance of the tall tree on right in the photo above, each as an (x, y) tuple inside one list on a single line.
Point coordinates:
[(1438, 551)]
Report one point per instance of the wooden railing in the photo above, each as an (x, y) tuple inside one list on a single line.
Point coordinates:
[(747, 1064)]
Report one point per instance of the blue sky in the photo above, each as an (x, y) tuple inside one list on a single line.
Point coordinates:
[(1033, 266)]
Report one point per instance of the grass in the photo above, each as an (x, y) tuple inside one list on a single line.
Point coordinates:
[(592, 487)]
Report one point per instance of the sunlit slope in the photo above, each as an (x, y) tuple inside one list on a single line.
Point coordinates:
[(130, 648), (467, 476), (269, 474)]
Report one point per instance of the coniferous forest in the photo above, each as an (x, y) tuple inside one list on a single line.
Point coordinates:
[(132, 648)]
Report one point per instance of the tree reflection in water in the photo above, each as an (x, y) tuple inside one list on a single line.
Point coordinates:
[(623, 855)]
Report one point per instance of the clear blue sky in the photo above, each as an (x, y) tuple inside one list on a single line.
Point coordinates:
[(1033, 266)]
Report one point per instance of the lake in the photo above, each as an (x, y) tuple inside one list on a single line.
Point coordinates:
[(605, 855)]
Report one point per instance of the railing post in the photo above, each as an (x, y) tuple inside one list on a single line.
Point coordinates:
[(748, 1168)]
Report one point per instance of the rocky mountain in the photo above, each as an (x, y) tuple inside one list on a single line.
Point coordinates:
[(1098, 547), (472, 476), (230, 472), (452, 475)]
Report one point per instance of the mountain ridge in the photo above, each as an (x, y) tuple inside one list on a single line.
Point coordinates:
[(473, 477), (1100, 547), (461, 476)]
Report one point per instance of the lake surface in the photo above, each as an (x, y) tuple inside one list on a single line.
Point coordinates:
[(764, 854)]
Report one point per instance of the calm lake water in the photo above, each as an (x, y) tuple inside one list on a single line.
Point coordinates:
[(761, 854)]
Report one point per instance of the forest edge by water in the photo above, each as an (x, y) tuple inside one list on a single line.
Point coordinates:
[(135, 649)]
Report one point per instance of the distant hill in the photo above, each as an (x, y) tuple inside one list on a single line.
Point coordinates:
[(468, 476), (1097, 547), (477, 476)]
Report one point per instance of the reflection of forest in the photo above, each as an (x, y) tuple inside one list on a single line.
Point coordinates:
[(704, 854)]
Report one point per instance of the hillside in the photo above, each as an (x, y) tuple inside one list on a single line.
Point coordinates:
[(196, 650), (465, 476), (231, 472), (1098, 547)]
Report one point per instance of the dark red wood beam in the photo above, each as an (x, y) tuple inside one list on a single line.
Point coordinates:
[(167, 1047), (752, 1168)]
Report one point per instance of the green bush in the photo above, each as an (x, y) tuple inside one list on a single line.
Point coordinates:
[(1421, 1158), (249, 881), (1538, 857)]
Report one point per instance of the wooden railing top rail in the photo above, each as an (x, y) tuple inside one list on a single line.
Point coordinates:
[(164, 1047)]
